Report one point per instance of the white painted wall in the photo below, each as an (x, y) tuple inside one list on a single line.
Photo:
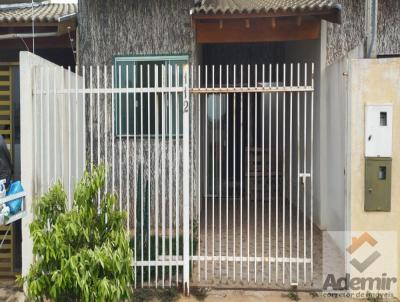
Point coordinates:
[(52, 133), (334, 114)]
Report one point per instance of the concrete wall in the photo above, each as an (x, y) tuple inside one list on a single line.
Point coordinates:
[(342, 38), (44, 129), (374, 82), (143, 27), (388, 27), (334, 145)]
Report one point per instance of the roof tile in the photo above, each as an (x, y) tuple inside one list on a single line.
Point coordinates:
[(42, 13), (263, 6)]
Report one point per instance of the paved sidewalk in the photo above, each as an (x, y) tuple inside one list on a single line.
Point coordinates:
[(258, 296), (10, 292)]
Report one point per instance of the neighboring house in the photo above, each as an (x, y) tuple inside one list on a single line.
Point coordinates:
[(231, 132), (54, 32)]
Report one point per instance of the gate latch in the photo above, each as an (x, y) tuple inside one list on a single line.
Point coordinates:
[(303, 177)]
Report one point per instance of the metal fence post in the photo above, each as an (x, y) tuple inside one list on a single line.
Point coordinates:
[(186, 179)]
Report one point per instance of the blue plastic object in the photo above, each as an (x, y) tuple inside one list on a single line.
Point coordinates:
[(15, 205)]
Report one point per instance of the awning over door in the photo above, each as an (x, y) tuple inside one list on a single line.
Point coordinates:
[(228, 21)]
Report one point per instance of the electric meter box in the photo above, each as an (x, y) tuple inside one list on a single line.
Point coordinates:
[(378, 178), (378, 157), (378, 130)]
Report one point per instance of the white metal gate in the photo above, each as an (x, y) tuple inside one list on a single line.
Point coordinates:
[(212, 164), (252, 209), (100, 116)]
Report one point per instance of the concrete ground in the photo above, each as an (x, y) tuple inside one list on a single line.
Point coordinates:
[(10, 292), (257, 296), (217, 232)]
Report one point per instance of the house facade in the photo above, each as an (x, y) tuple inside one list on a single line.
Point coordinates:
[(223, 33), (231, 132)]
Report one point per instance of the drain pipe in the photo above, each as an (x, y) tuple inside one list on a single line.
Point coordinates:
[(371, 24)]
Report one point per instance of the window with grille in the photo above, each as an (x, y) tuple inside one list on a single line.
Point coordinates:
[(145, 109)]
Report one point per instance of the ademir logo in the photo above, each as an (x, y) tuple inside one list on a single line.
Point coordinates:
[(358, 283)]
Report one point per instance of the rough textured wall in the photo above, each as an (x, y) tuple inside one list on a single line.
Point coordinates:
[(351, 33), (125, 27), (109, 28), (343, 38), (388, 27)]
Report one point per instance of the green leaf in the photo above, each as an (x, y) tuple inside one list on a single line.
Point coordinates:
[(77, 251)]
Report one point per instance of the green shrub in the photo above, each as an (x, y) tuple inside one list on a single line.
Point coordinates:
[(82, 254)]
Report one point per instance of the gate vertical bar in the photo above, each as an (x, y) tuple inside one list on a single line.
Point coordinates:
[(263, 177), (69, 140), (120, 137), (156, 125), (177, 178), (220, 174), (312, 174), (213, 173), (54, 125), (148, 174), (141, 173), (41, 70), (234, 175), (91, 116), (170, 135), (163, 165), (276, 175), (298, 177), (227, 174), (127, 146), (305, 179), (269, 174), (284, 176), (48, 128), (135, 160), (248, 176), (113, 141), (291, 177), (255, 178), (98, 121), (205, 175), (62, 102), (241, 173), (83, 116), (105, 132), (76, 125), (199, 174), (192, 171), (186, 173)]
